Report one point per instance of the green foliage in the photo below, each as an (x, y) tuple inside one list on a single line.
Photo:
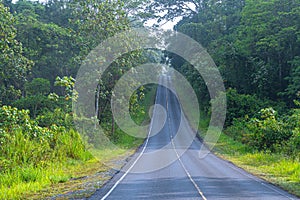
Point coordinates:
[(39, 102), (13, 65), (94, 27), (13, 119), (268, 33), (52, 46), (24, 143), (57, 35), (240, 105), (38, 86), (36, 104), (254, 43), (68, 84), (57, 117), (294, 79), (293, 145), (269, 133)]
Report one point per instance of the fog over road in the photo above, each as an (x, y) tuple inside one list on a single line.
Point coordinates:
[(163, 168)]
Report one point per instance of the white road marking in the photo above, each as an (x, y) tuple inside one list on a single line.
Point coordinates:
[(133, 164), (178, 157)]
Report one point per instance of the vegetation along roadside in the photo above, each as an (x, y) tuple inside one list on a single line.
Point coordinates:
[(254, 43)]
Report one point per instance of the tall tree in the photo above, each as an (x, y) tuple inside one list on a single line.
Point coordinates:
[(269, 33), (14, 67), (254, 43), (51, 46)]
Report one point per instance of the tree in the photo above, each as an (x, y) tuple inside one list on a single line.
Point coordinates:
[(36, 99), (269, 33), (37, 86), (254, 43), (51, 46), (293, 89), (95, 22), (170, 9), (14, 67)]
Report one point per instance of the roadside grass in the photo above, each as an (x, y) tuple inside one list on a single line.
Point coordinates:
[(39, 182), (21, 181), (275, 168), (76, 176), (68, 175)]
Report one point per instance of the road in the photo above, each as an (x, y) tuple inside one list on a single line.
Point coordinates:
[(163, 168)]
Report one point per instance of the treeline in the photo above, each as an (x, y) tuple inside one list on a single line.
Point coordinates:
[(44, 44), (256, 46), (42, 47)]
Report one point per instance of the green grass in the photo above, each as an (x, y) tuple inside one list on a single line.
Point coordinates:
[(24, 180), (46, 177), (40, 182), (275, 168)]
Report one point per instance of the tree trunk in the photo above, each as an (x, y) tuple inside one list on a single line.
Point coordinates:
[(97, 105), (112, 126)]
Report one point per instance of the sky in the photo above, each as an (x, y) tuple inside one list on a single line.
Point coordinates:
[(166, 26)]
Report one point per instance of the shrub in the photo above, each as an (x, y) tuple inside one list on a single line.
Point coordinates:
[(57, 117), (35, 104), (238, 130), (263, 133), (240, 105), (24, 143), (13, 120), (293, 145), (38, 86)]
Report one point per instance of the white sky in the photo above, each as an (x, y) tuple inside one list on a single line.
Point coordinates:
[(166, 26)]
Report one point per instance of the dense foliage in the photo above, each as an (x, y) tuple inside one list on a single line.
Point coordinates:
[(255, 45), (13, 65), (42, 46)]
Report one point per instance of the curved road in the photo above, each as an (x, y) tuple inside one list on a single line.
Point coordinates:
[(168, 166)]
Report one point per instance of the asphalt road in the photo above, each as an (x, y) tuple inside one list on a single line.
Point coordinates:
[(168, 166)]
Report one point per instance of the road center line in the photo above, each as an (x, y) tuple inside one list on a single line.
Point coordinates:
[(178, 157)]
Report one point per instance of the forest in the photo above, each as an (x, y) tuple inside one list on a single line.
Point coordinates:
[(256, 48), (254, 43)]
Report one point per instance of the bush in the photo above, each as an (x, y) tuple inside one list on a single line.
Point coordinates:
[(238, 130), (263, 133), (57, 117), (240, 105), (38, 86), (293, 145), (24, 143), (267, 133), (12, 119), (35, 104)]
